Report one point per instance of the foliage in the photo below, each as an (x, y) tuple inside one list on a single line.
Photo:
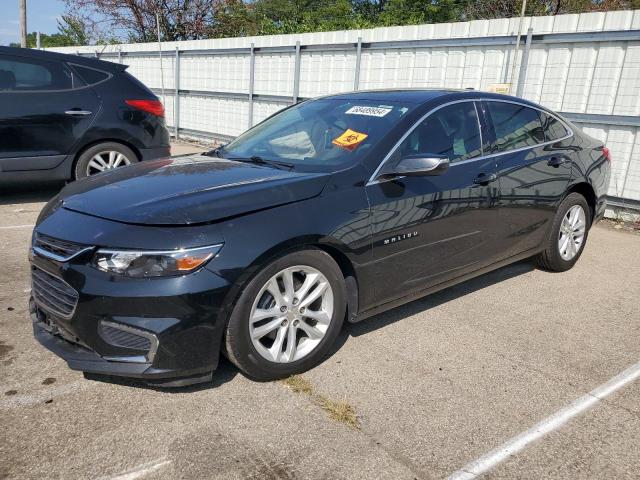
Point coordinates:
[(135, 20)]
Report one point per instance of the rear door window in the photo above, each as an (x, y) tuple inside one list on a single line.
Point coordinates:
[(554, 129), (452, 131), (515, 126), (29, 74)]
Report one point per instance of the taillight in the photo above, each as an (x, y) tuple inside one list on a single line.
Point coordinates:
[(607, 154), (151, 106)]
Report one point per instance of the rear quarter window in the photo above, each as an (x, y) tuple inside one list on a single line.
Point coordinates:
[(90, 75), (554, 129), (515, 126)]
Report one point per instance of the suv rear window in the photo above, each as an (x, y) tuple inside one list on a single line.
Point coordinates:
[(515, 126), (90, 75)]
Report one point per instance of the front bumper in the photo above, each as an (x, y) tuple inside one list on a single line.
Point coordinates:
[(181, 319)]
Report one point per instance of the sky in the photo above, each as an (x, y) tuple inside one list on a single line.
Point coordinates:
[(42, 15)]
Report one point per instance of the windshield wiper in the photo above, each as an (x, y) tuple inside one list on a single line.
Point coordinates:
[(216, 152), (263, 161)]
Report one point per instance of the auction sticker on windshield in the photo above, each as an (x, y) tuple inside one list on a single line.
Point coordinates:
[(368, 111), (350, 139)]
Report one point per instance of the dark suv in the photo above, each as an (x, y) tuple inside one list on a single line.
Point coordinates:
[(66, 117)]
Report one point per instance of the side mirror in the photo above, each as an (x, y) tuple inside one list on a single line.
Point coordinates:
[(419, 165)]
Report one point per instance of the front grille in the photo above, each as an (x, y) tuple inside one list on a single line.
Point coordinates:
[(57, 249), (124, 339), (53, 294)]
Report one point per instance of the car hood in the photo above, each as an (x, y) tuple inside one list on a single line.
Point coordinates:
[(188, 190)]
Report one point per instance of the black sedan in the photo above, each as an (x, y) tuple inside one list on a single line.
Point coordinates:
[(64, 117), (334, 209)]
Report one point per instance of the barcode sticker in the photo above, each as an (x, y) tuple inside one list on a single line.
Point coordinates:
[(368, 111)]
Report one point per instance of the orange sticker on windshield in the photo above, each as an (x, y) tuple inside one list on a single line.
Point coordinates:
[(350, 139)]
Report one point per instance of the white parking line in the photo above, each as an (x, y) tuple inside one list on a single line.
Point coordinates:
[(549, 424), (14, 227), (141, 470)]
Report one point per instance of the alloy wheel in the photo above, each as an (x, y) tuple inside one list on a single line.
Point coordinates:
[(291, 314), (572, 231), (107, 160)]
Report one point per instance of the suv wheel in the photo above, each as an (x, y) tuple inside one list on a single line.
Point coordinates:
[(102, 157), (288, 316), (568, 234)]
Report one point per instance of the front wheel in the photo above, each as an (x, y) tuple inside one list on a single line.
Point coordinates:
[(568, 235), (288, 316)]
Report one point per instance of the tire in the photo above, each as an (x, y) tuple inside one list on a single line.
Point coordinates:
[(122, 156), (262, 360), (552, 257)]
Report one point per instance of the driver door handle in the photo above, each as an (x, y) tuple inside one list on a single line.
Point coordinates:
[(80, 113), (485, 179)]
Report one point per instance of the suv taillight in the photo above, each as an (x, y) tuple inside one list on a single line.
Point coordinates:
[(151, 106), (607, 154)]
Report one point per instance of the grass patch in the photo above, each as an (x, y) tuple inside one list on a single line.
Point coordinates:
[(299, 384), (339, 411)]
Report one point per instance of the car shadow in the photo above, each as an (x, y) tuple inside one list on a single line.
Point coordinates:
[(430, 301), (32, 193)]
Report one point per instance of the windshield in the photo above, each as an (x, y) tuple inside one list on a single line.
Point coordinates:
[(325, 132)]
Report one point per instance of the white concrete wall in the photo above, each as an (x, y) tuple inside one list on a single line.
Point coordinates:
[(591, 78)]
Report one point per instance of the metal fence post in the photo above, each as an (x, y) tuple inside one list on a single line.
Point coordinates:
[(296, 74), (176, 98), (252, 68), (522, 74), (119, 54), (356, 76)]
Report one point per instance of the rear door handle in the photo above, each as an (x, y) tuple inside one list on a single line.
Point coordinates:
[(485, 179), (556, 161), (80, 113)]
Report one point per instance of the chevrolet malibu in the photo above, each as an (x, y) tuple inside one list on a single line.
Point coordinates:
[(331, 210)]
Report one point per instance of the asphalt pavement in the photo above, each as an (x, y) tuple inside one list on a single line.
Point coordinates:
[(421, 391)]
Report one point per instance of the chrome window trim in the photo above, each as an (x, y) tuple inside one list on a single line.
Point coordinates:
[(374, 177), (151, 354)]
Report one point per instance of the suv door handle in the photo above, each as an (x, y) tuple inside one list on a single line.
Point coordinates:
[(556, 161), (485, 179), (80, 113)]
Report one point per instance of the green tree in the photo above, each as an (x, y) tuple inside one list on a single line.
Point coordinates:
[(292, 16), (75, 29), (412, 12)]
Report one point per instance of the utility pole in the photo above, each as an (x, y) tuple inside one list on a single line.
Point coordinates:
[(23, 23), (515, 52)]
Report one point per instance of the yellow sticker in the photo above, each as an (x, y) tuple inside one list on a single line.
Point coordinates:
[(350, 139)]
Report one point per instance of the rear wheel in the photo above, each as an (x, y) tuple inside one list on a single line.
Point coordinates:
[(288, 316), (568, 235), (102, 157)]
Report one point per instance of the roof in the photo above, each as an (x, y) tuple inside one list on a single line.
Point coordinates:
[(423, 95), (63, 57)]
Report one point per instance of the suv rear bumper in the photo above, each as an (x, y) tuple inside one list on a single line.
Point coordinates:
[(156, 152)]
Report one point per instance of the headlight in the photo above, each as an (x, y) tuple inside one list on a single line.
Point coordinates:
[(138, 264)]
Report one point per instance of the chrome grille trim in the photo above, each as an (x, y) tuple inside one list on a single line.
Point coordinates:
[(53, 294), (56, 249)]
